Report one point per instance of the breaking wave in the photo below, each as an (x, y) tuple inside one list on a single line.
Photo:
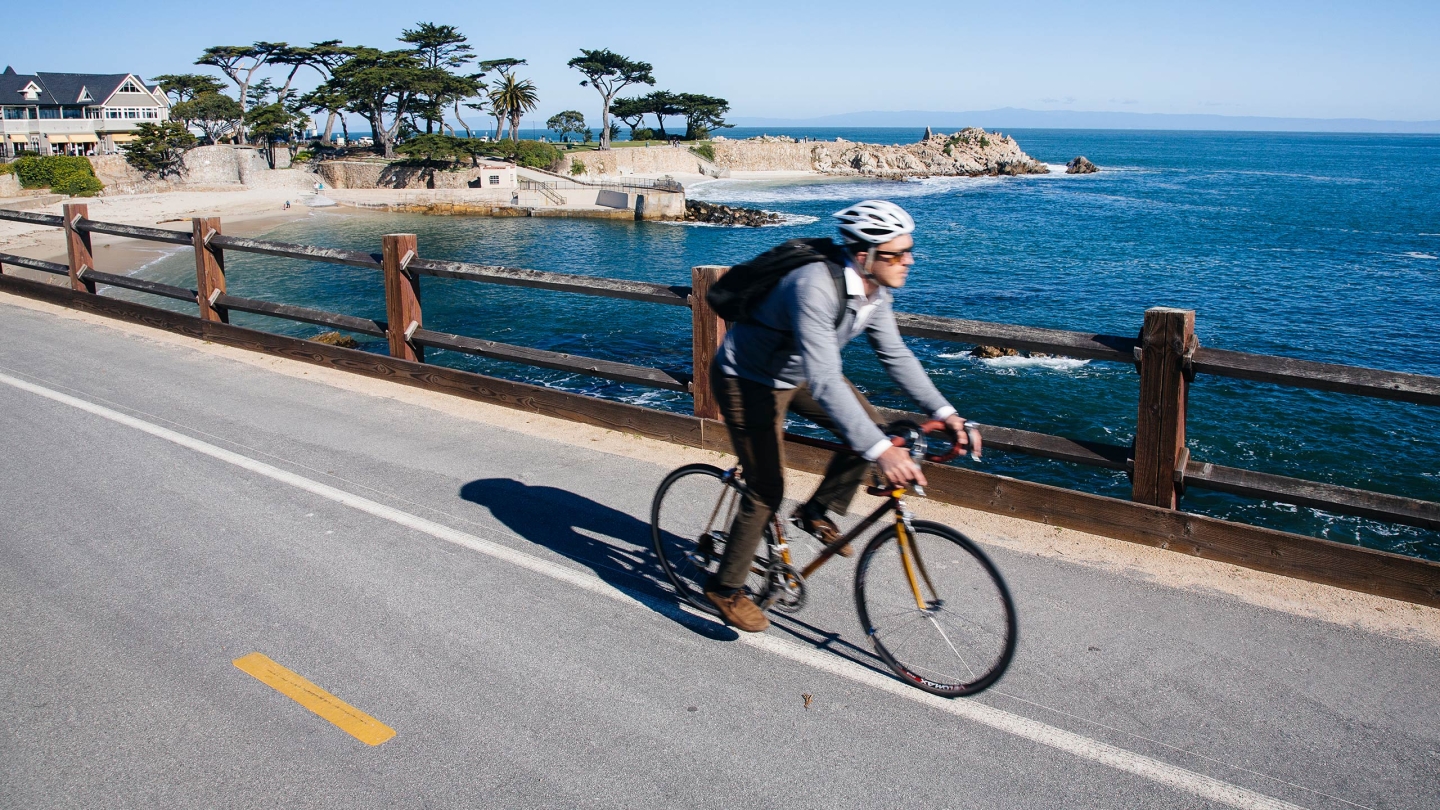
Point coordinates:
[(812, 189), (1052, 363)]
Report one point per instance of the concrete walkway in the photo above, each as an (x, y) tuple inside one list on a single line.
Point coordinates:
[(487, 593)]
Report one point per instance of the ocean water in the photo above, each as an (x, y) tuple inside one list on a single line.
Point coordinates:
[(1323, 247)]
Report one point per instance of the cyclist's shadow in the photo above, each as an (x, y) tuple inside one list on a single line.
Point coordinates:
[(616, 546)]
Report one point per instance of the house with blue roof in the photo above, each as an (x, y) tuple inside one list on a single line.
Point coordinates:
[(74, 113)]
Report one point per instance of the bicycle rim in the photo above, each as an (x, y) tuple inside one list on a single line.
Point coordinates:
[(963, 638), (693, 505)]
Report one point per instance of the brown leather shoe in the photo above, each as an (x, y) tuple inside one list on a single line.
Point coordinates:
[(740, 611), (822, 529)]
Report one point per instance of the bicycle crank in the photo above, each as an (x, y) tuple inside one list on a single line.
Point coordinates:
[(784, 588)]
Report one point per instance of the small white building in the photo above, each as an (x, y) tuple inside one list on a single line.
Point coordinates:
[(74, 113), (495, 175)]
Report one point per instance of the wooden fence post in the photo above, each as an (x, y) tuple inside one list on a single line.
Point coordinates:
[(77, 245), (402, 294), (1165, 341), (209, 268), (707, 331)]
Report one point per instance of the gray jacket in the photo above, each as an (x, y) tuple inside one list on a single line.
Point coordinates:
[(794, 340)]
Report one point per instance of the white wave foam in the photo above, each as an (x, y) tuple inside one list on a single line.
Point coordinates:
[(1053, 363), (837, 189), (1415, 254), (1017, 362)]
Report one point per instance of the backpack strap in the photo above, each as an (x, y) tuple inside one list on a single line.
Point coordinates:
[(837, 275)]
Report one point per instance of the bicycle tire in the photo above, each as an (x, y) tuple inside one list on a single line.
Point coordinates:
[(685, 505), (976, 607)]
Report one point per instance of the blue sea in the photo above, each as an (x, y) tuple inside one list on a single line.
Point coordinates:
[(1323, 247)]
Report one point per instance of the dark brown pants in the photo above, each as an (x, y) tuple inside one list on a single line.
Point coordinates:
[(755, 416)]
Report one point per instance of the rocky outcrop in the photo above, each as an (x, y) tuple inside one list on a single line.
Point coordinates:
[(1081, 165), (968, 153), (696, 211), (992, 352), (337, 339)]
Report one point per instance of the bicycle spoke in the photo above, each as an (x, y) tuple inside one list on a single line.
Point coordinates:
[(951, 644)]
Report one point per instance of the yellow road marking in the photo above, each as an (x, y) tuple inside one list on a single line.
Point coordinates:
[(347, 718)]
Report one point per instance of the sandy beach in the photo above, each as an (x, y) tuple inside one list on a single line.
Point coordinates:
[(244, 213)]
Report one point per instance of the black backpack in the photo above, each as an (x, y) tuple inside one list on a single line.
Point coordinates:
[(736, 294)]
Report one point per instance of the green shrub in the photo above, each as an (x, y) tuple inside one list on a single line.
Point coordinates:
[(75, 181), (984, 142), (531, 154), (642, 134), (158, 149), (301, 156), (7, 168), (57, 173), (705, 150), (576, 167)]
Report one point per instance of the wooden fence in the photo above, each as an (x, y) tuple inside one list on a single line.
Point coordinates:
[(1166, 354)]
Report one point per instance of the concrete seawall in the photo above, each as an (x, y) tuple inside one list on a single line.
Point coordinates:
[(639, 160)]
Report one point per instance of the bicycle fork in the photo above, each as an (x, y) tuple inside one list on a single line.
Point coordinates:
[(911, 561)]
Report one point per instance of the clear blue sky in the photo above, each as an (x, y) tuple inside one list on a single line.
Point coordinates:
[(1291, 59)]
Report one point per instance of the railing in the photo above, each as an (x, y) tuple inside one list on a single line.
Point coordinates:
[(561, 181), (547, 190), (1167, 356)]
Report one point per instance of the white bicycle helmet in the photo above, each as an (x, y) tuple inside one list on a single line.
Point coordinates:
[(874, 222)]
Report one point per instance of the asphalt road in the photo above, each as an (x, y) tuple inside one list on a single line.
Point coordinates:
[(490, 597)]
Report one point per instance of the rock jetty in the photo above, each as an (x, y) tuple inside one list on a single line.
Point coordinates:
[(713, 214), (970, 152), (1081, 165)]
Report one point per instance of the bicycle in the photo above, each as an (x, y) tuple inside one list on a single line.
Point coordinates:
[(913, 581)]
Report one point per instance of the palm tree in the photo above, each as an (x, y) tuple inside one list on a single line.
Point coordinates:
[(516, 97)]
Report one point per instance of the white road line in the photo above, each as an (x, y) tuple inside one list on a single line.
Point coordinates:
[(1163, 773)]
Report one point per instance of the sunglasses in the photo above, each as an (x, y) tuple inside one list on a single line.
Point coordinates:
[(894, 256)]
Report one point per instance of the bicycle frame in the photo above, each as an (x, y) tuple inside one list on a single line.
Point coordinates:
[(909, 553)]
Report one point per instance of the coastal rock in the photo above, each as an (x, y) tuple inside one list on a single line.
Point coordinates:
[(337, 339), (1081, 165), (713, 214), (991, 352), (970, 152)]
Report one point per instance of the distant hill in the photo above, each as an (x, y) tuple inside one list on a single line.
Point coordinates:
[(1015, 118)]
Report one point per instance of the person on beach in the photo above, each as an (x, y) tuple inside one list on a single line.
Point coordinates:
[(785, 356)]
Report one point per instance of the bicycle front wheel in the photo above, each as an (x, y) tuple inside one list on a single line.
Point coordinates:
[(936, 609)]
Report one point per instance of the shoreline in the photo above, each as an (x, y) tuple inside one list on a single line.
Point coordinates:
[(250, 212)]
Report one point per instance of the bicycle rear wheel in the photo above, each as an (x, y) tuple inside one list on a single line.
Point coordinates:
[(959, 637), (689, 524)]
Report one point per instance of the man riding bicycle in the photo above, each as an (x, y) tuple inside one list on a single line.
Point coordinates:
[(785, 356)]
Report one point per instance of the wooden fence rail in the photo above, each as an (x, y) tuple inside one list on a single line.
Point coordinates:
[(1166, 354)]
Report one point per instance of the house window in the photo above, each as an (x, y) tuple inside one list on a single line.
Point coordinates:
[(494, 179), (49, 112), (129, 87), (131, 112), (72, 112), (16, 113)]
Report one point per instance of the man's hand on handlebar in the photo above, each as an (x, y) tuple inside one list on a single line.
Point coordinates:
[(898, 468), (963, 439)]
